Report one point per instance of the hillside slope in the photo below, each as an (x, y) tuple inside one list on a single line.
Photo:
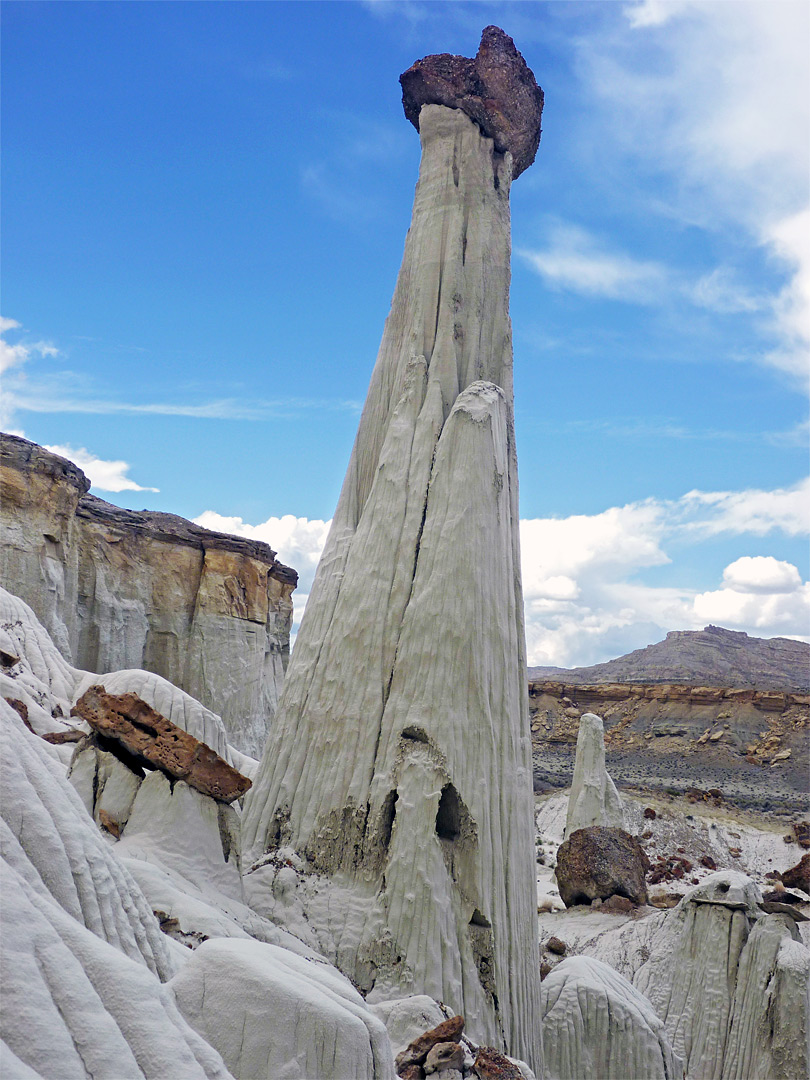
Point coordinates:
[(709, 657)]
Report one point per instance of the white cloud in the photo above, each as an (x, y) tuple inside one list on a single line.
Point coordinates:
[(761, 574), (752, 511), (716, 97), (583, 598), (720, 291), (576, 260), (103, 475), (759, 592)]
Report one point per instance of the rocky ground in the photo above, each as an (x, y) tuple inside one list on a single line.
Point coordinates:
[(754, 746), (705, 836)]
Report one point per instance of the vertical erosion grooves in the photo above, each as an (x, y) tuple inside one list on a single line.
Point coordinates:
[(398, 764)]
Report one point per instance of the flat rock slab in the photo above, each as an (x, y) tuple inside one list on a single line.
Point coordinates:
[(495, 88), (144, 734)]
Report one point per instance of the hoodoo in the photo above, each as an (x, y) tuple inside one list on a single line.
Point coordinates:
[(397, 775)]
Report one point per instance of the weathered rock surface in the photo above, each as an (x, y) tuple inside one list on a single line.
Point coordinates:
[(448, 1031), (712, 657), (271, 1013), (444, 1055), (118, 589), (145, 735), (91, 985), (594, 799), (397, 768), (729, 982), (597, 1026), (599, 862), (667, 736), (496, 89), (490, 1064), (83, 957), (798, 876)]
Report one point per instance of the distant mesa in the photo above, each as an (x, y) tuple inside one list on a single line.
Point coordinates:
[(709, 657), (496, 89)]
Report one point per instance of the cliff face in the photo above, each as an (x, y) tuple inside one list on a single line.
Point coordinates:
[(709, 657), (120, 589), (753, 745)]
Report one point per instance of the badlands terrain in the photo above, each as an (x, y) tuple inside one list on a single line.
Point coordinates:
[(399, 856)]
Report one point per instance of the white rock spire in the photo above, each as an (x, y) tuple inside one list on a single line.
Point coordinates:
[(399, 764)]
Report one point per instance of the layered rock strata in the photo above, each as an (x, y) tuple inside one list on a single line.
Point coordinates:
[(751, 744), (118, 589), (398, 767)]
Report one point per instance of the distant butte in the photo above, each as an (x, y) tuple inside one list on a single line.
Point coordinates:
[(496, 89)]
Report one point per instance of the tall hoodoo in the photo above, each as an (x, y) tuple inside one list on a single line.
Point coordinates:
[(399, 764)]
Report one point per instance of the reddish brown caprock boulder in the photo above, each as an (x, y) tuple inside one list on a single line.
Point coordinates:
[(414, 1055), (490, 1065), (601, 862), (496, 89), (798, 876), (157, 743)]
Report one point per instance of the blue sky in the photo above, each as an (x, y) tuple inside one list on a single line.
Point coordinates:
[(205, 206)]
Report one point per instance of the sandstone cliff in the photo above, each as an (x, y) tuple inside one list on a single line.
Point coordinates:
[(120, 589)]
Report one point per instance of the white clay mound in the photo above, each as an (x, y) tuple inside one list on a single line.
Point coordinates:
[(597, 1026)]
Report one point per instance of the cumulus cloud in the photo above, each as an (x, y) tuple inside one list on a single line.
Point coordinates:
[(585, 598), (103, 475), (762, 574), (759, 593)]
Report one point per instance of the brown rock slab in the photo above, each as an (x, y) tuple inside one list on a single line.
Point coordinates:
[(495, 88), (618, 905), (446, 1055), (490, 1065), (798, 876), (555, 945), (411, 1072), (801, 830), (601, 862), (127, 720), (449, 1031)]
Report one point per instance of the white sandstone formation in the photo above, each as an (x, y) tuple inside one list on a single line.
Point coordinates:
[(597, 1026), (118, 589), (399, 764), (593, 799), (729, 982), (273, 1014), (90, 984)]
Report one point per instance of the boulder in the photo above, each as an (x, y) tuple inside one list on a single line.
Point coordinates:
[(594, 799), (444, 1055), (597, 1026), (489, 1064), (128, 725), (417, 1051), (601, 862), (495, 88), (798, 876)]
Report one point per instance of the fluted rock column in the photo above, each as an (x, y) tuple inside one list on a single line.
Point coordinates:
[(399, 764)]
